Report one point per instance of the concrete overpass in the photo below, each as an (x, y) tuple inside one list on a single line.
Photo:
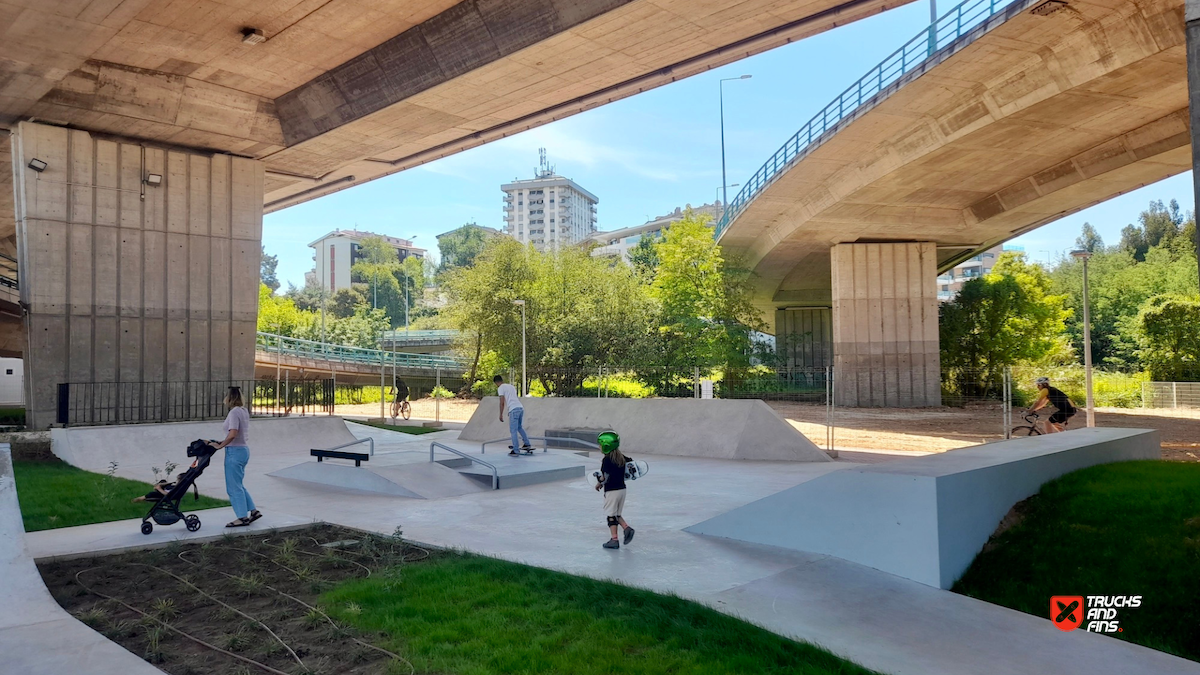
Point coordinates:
[(164, 131), (1040, 110), (295, 359)]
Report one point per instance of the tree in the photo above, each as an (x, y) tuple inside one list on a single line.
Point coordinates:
[(347, 301), (1169, 339), (644, 257), (460, 247), (307, 298), (376, 251), (267, 266), (1089, 239), (1157, 225), (998, 320)]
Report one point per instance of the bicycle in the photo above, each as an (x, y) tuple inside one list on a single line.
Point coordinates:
[(1032, 428), (401, 409)]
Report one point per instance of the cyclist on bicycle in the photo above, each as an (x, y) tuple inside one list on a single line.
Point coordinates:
[(399, 394), (1047, 395)]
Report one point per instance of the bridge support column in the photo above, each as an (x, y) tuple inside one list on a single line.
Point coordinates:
[(138, 264), (1192, 31), (885, 325)]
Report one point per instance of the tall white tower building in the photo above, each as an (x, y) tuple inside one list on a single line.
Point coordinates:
[(549, 211)]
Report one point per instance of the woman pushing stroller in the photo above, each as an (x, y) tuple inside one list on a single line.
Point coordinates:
[(237, 455)]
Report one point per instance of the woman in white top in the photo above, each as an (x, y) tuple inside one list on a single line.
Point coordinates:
[(237, 455)]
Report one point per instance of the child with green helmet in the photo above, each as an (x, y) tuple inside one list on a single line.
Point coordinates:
[(612, 480)]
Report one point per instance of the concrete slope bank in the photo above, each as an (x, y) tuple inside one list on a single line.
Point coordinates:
[(37, 637), (716, 429)]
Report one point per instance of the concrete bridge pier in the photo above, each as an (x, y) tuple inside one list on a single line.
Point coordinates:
[(885, 324), (139, 263), (1192, 30)]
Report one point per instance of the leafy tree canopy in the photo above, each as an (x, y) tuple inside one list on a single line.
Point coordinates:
[(267, 266), (460, 247)]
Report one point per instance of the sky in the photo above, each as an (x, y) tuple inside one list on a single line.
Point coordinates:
[(645, 155)]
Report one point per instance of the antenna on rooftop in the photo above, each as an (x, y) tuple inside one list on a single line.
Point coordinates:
[(544, 169)]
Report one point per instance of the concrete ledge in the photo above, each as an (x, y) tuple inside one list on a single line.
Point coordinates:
[(716, 429), (923, 518)]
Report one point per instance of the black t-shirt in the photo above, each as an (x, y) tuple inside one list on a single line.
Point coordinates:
[(1059, 400), (401, 389), (614, 474)]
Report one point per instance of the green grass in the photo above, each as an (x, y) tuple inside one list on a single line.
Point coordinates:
[(473, 616), (55, 494), (1131, 528), (417, 431)]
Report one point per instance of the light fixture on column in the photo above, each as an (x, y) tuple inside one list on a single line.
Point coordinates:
[(37, 165), (253, 36), (154, 179)]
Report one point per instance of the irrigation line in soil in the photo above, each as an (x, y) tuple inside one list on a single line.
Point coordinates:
[(169, 627), (411, 667), (227, 606)]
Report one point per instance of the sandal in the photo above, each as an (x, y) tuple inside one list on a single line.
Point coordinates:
[(255, 515), (238, 522)]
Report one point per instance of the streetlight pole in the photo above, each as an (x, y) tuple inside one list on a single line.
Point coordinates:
[(524, 373), (718, 195), (410, 240), (1085, 255), (721, 87)]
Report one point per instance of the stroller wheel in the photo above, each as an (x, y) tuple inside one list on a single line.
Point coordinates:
[(192, 522), (147, 527)]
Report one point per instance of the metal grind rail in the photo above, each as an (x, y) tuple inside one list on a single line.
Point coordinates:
[(370, 440), (913, 55), (545, 442), (460, 453)]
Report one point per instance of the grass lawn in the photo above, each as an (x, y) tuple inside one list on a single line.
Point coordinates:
[(56, 494), (471, 616), (1131, 528), (415, 430)]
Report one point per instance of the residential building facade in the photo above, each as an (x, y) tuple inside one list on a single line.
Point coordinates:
[(950, 282), (618, 243), (336, 252), (548, 211)]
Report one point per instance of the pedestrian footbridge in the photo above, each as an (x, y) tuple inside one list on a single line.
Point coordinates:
[(297, 359), (1003, 116)]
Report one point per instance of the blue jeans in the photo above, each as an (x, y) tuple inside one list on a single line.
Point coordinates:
[(236, 458), (514, 426)]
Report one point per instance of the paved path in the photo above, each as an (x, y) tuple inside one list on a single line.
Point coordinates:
[(878, 620)]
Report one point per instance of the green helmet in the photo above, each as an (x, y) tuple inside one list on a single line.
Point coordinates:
[(608, 441)]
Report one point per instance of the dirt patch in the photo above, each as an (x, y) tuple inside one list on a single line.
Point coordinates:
[(240, 605), (31, 446), (941, 429), (1010, 520), (454, 409)]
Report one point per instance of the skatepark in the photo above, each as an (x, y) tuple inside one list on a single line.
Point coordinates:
[(848, 555)]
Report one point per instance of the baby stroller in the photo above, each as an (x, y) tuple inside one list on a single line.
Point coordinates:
[(166, 511)]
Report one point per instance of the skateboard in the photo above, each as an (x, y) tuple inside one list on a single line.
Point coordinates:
[(522, 452), (634, 469)]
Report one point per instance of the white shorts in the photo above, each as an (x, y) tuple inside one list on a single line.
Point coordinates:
[(614, 501)]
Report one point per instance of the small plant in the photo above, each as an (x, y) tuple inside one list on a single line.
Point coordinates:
[(440, 392), (314, 618), (305, 573), (247, 585), (239, 640), (94, 617), (108, 486), (353, 608), (288, 547), (154, 653), (165, 609)]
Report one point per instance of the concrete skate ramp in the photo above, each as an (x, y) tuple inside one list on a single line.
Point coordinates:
[(923, 518), (415, 481), (137, 447), (716, 429), (37, 637)]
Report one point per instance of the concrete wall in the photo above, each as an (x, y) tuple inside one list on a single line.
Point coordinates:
[(925, 518), (128, 282), (885, 325), (721, 429)]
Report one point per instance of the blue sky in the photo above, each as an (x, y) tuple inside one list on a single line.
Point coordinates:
[(645, 155)]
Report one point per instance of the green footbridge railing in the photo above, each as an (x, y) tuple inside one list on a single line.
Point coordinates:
[(915, 53), (289, 346)]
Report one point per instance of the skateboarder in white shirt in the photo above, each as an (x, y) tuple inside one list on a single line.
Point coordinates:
[(512, 403)]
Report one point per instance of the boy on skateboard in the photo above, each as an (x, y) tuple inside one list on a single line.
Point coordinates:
[(516, 413)]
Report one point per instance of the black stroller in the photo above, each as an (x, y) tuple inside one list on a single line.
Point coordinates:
[(166, 511)]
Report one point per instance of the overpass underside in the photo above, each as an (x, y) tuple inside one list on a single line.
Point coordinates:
[(164, 132), (1029, 118)]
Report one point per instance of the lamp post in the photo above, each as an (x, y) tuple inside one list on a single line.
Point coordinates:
[(717, 196), (524, 374), (1084, 255), (410, 240), (721, 86)]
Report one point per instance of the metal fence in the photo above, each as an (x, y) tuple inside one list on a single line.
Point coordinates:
[(97, 403), (290, 346), (1172, 395), (951, 26)]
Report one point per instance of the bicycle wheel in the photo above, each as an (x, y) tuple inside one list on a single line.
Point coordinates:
[(1025, 431), (406, 410), (395, 409)]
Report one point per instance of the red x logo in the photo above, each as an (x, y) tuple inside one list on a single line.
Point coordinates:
[(1066, 611)]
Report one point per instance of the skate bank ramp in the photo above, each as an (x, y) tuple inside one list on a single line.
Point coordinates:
[(927, 517), (37, 636), (711, 428)]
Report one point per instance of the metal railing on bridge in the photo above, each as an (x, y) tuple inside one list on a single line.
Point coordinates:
[(418, 337), (915, 53), (289, 346)]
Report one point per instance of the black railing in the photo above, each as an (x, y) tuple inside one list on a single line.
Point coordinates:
[(94, 403)]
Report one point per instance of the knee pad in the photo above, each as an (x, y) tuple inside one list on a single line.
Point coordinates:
[(613, 520)]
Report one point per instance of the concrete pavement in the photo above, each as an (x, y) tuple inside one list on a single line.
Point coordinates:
[(873, 618)]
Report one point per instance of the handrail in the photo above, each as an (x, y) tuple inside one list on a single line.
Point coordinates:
[(272, 343), (914, 54), (368, 439), (495, 471), (545, 442)]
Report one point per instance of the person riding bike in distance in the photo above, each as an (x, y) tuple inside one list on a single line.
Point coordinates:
[(1064, 408), (399, 394)]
